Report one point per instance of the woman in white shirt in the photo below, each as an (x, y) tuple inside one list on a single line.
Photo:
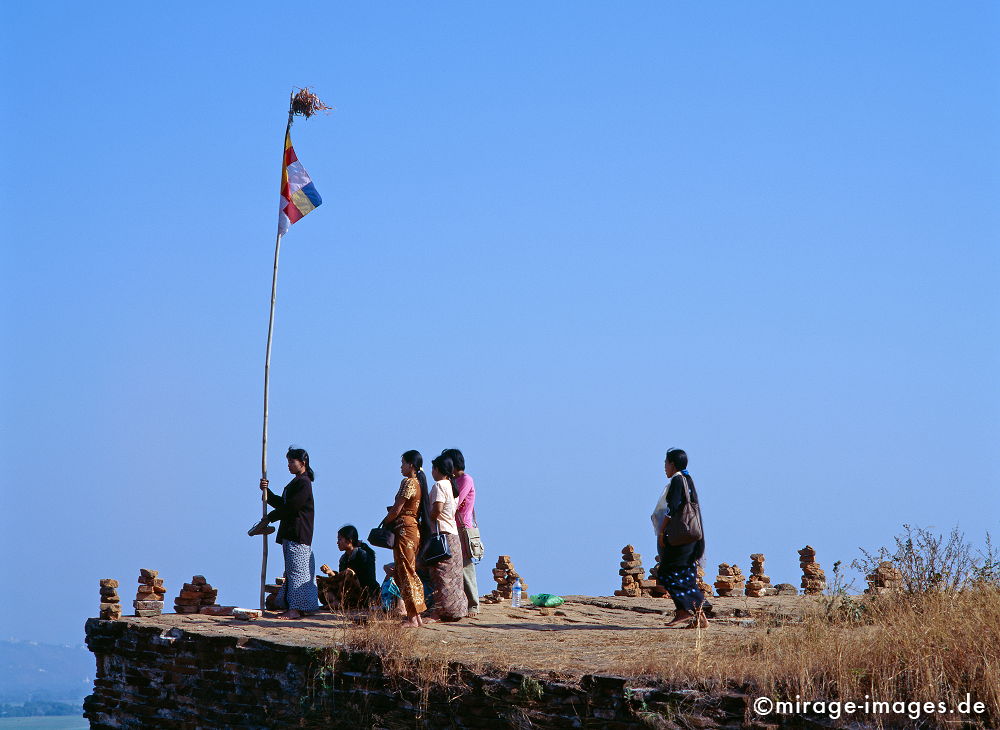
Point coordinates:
[(450, 602)]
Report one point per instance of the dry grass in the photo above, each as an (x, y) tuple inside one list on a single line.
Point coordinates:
[(930, 647)]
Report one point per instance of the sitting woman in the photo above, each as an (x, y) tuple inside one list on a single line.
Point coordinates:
[(402, 516), (450, 602), (389, 590), (360, 558), (295, 532)]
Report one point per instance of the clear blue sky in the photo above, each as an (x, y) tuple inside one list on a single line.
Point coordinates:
[(561, 237)]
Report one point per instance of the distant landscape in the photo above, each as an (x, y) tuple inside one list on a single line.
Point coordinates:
[(38, 680)]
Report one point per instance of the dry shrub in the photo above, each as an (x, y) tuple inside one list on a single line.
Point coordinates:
[(929, 647)]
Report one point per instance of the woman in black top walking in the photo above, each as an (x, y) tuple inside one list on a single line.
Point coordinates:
[(678, 563), (294, 508)]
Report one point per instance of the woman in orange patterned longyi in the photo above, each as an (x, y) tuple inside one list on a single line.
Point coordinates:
[(402, 515)]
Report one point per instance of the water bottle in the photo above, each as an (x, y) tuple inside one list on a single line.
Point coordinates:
[(515, 600)]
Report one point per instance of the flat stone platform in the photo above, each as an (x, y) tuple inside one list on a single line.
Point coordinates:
[(586, 635)]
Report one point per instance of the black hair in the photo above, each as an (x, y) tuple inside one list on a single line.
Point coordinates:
[(415, 459), (349, 533), (302, 455), (677, 457), (456, 458), (446, 466)]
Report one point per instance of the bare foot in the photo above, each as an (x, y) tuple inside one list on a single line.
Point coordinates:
[(699, 622), (290, 615), (680, 617), (412, 623)]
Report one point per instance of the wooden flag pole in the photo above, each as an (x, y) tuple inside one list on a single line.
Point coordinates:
[(267, 377), (305, 104)]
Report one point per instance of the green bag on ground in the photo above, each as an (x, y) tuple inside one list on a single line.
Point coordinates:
[(546, 600)]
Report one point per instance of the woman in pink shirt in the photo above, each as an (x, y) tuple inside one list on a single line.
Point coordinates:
[(466, 515)]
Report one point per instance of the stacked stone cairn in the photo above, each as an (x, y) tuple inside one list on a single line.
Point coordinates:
[(655, 589), (272, 590), (786, 589), (631, 572), (706, 589), (729, 581), (149, 596), (505, 576), (885, 579), (759, 584), (111, 607), (813, 577), (195, 596)]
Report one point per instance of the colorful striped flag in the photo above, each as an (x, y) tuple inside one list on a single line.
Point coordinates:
[(298, 194)]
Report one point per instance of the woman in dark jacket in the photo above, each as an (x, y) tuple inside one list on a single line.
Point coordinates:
[(678, 563), (294, 508)]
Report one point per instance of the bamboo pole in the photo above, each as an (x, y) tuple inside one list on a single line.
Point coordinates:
[(267, 376)]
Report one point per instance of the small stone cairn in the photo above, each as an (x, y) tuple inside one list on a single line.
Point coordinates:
[(195, 596), (631, 572), (786, 589), (729, 581), (111, 607), (149, 595), (272, 590), (505, 575), (813, 577), (705, 588), (759, 584), (655, 589), (885, 579)]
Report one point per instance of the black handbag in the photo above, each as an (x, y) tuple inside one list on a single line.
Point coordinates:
[(382, 536), (685, 527), (435, 549)]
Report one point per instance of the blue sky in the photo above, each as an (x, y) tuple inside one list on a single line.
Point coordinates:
[(561, 237)]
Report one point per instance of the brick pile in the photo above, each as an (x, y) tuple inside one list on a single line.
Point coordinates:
[(111, 607), (886, 578), (631, 573), (656, 590), (759, 584), (505, 575), (706, 589), (813, 577), (196, 595), (149, 595), (729, 581), (272, 590)]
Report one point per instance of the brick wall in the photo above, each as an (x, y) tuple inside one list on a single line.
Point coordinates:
[(148, 677)]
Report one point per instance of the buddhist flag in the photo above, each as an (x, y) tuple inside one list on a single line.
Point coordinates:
[(298, 194)]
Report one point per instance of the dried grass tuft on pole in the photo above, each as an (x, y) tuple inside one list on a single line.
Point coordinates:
[(305, 104)]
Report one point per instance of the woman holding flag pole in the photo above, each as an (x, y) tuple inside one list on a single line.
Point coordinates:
[(298, 197)]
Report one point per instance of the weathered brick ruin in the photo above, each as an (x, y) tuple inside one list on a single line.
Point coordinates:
[(505, 576), (111, 607), (169, 678), (886, 578), (729, 581), (759, 584), (149, 595), (813, 577)]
